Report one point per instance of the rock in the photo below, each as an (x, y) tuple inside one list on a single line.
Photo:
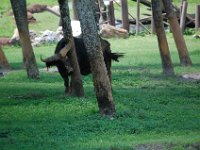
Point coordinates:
[(193, 76), (108, 31)]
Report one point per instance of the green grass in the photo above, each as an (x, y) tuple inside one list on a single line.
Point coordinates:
[(151, 108)]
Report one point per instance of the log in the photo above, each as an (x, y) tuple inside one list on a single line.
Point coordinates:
[(144, 2), (36, 8)]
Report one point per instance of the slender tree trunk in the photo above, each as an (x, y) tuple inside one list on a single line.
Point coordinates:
[(197, 18), (103, 13), (183, 16), (152, 25), (111, 13), (77, 86), (19, 10), (162, 40), (178, 36), (125, 20), (3, 60), (138, 17), (92, 43), (75, 15)]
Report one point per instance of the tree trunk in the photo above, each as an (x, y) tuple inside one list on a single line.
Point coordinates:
[(92, 43), (162, 40), (19, 10), (197, 18), (178, 36), (138, 17), (77, 86), (183, 16), (125, 20), (111, 13), (3, 61), (103, 15), (75, 15)]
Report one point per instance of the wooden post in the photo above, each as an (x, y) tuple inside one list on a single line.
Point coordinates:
[(138, 17), (3, 61), (183, 16), (111, 14), (125, 20), (197, 18)]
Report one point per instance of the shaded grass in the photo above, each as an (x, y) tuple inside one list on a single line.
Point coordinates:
[(151, 108)]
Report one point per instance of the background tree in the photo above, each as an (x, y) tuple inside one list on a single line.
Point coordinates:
[(75, 15), (3, 60), (91, 40), (177, 33), (162, 39), (20, 13), (77, 86)]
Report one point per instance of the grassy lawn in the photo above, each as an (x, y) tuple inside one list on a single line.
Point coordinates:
[(151, 108)]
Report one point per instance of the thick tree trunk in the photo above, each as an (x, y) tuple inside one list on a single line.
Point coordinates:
[(162, 40), (77, 86), (92, 43), (3, 60), (19, 10), (177, 33)]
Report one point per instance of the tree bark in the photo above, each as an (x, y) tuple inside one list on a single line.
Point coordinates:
[(138, 17), (125, 20), (103, 15), (92, 43), (162, 40), (75, 15), (183, 16), (178, 36), (111, 13), (197, 18), (77, 86), (3, 60), (19, 10)]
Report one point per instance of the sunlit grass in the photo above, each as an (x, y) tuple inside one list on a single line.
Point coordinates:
[(151, 108)]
